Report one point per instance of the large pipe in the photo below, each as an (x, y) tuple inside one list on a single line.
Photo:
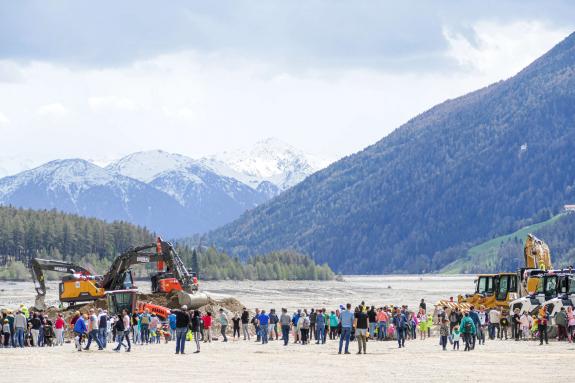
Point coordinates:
[(193, 301)]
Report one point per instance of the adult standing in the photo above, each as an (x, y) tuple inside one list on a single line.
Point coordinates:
[(145, 319), (20, 327), (122, 332), (195, 325), (79, 330), (246, 323), (346, 319), (273, 325), (208, 322), (475, 318), (182, 324), (264, 320), (35, 331), (93, 333), (59, 330), (236, 326), (423, 306), (561, 322), (543, 319), (223, 319), (467, 329), (494, 323), (320, 328), (285, 323), (103, 327), (516, 324), (361, 324), (312, 320), (372, 316), (333, 325)]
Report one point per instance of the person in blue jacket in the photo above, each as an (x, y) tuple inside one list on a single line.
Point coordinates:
[(79, 330), (475, 318), (172, 322)]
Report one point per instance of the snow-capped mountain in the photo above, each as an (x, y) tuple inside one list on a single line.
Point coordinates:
[(169, 193), (271, 161), (80, 187)]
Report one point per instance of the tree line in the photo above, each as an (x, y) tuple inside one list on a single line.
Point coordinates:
[(94, 244)]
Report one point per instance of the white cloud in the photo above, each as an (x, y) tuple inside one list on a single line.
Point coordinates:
[(111, 103), (4, 121), (200, 104), (502, 50), (55, 110)]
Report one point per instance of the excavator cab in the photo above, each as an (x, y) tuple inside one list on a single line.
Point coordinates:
[(119, 300), (505, 288)]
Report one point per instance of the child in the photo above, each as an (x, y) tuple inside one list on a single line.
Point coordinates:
[(504, 322), (525, 325), (444, 333), (534, 328), (456, 335), (6, 331), (422, 326)]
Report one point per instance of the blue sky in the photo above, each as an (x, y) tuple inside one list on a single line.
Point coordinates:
[(102, 79)]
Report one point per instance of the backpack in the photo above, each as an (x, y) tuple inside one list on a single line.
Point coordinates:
[(145, 319), (468, 327), (305, 323)]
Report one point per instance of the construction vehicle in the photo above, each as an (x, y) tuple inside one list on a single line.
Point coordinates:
[(78, 286), (119, 300), (552, 285), (501, 289), (565, 295)]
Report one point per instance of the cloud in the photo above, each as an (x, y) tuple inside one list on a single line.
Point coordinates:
[(502, 49), (55, 110), (111, 103), (4, 121)]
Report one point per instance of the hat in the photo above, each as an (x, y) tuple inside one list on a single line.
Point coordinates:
[(184, 307)]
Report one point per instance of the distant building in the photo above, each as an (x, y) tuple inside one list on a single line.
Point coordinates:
[(569, 208)]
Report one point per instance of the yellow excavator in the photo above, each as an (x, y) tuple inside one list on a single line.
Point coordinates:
[(500, 289)]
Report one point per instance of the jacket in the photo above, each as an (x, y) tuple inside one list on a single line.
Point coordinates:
[(182, 319), (464, 324), (20, 321), (80, 326)]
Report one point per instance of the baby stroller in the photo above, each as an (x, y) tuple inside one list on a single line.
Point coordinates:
[(49, 335)]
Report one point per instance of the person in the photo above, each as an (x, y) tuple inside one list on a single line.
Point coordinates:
[(516, 324), (285, 323), (561, 322), (273, 325), (172, 325), (236, 326), (504, 323), (534, 327), (182, 323), (333, 325), (494, 321), (264, 321), (346, 320), (195, 327), (6, 333), (303, 326), (320, 327), (312, 321), (455, 336), (10, 318), (93, 333), (467, 329), (372, 316), (543, 319), (400, 324), (295, 321), (256, 325), (145, 319), (382, 319), (476, 322), (208, 322), (444, 333), (49, 334), (20, 324), (429, 325), (79, 330), (361, 324), (570, 323), (223, 318), (35, 331), (423, 306), (525, 321), (422, 325), (123, 325), (245, 323), (103, 327), (59, 330), (153, 328)]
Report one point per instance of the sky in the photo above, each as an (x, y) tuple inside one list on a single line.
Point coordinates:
[(102, 79)]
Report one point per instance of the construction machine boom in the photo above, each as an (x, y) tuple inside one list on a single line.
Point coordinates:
[(537, 255)]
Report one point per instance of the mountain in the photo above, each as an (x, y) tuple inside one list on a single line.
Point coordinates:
[(271, 162), (465, 171), (80, 187)]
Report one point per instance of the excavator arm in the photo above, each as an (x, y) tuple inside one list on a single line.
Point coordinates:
[(37, 267), (537, 254)]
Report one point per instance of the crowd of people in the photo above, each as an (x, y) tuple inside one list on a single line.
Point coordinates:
[(362, 323)]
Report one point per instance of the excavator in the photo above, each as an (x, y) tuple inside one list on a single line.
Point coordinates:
[(79, 285), (501, 289)]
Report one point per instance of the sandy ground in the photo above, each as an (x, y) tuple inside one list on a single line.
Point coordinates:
[(497, 361)]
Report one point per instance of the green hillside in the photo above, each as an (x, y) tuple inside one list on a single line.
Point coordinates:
[(484, 257)]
